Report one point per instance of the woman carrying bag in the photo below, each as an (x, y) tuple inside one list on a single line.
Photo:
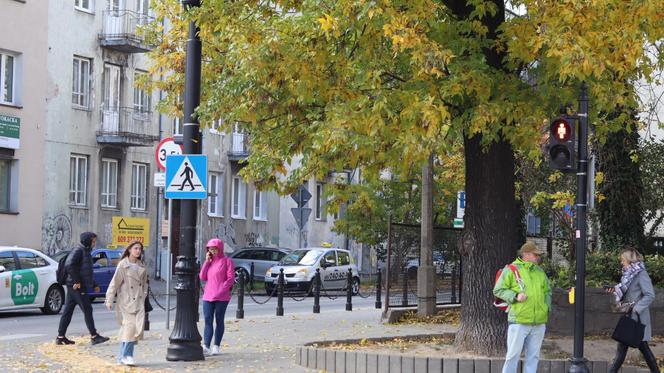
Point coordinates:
[(130, 286), (633, 295)]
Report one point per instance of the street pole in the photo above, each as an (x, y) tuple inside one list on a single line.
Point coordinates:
[(426, 292), (578, 361), (185, 340)]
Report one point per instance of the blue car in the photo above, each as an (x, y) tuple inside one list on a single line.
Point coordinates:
[(104, 263)]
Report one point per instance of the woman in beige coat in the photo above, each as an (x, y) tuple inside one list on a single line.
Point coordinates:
[(129, 287)]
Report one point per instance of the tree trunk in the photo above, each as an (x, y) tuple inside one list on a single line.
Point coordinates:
[(492, 235)]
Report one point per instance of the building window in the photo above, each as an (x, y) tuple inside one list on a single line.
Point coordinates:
[(80, 91), (7, 78), (216, 195), (109, 183), (139, 190), (215, 127), (141, 96), (260, 205), (78, 179), (239, 198), (177, 126), (5, 184), (85, 5), (320, 202)]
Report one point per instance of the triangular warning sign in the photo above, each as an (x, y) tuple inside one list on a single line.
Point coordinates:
[(185, 179)]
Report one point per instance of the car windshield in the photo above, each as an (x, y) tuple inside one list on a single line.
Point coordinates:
[(301, 257)]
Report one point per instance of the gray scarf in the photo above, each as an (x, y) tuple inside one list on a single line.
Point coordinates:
[(628, 275)]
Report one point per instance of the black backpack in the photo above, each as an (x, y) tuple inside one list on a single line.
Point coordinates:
[(61, 274)]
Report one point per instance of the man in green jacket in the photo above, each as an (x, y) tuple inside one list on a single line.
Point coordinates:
[(529, 296)]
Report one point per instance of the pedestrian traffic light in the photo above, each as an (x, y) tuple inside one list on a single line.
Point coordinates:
[(561, 144)]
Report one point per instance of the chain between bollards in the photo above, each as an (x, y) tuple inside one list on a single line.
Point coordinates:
[(239, 314), (280, 293), (317, 291), (349, 291), (379, 280)]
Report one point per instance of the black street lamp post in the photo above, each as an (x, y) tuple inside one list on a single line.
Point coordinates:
[(578, 361), (185, 340)]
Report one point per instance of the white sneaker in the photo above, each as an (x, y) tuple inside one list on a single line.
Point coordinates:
[(206, 351), (215, 350), (128, 360)]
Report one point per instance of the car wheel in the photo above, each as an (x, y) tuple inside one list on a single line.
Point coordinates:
[(355, 286), (55, 299), (238, 273)]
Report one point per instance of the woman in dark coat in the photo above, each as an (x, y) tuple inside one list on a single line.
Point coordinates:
[(635, 292)]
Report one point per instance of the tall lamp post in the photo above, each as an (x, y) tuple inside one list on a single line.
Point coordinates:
[(185, 340)]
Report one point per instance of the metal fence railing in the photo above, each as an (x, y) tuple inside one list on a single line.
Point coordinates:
[(123, 24), (127, 123)]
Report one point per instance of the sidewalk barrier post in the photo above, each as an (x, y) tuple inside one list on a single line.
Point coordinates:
[(146, 321), (239, 314), (379, 280), (453, 277), (251, 276), (280, 293), (404, 294), (349, 290), (317, 291)]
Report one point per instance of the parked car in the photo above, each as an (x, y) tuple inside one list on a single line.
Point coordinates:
[(262, 257), (300, 268), (104, 262), (28, 280), (440, 265)]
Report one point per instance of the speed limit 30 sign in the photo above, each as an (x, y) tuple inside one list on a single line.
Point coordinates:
[(165, 148)]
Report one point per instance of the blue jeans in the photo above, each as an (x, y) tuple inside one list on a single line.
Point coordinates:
[(520, 336), (216, 309), (126, 349)]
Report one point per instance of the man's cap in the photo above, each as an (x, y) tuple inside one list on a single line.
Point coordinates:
[(530, 247)]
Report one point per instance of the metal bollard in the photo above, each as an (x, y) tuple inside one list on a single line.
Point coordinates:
[(239, 314), (280, 293), (146, 321), (452, 283), (349, 291), (251, 276), (379, 279), (317, 291), (404, 294)]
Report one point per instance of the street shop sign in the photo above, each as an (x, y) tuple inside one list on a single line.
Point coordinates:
[(127, 229), (9, 131)]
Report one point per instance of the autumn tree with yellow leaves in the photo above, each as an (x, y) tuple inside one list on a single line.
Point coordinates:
[(379, 85)]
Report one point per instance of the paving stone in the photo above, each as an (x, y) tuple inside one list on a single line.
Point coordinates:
[(558, 366), (482, 366), (625, 369), (330, 360), (372, 363), (311, 357), (320, 358), (395, 363), (601, 367), (421, 365), (497, 365), (451, 366), (351, 362), (383, 363), (407, 364), (544, 366), (466, 366), (298, 355), (435, 365), (340, 362)]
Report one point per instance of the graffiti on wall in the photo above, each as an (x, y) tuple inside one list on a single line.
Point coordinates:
[(254, 239), (226, 232), (56, 234)]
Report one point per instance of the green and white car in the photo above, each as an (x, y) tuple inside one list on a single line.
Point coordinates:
[(28, 280)]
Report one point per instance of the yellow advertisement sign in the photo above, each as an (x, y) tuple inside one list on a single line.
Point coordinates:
[(126, 230)]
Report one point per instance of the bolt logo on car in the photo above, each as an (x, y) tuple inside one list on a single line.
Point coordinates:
[(24, 287)]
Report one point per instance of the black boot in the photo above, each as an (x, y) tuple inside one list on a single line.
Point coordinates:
[(618, 360), (651, 360)]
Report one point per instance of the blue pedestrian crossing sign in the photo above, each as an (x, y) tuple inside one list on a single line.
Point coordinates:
[(186, 176)]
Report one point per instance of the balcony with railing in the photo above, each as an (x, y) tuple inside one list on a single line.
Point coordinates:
[(126, 127), (239, 147), (121, 31)]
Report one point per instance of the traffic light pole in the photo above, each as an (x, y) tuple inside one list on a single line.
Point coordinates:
[(185, 340), (578, 361)]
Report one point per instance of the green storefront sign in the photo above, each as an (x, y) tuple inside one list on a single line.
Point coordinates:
[(10, 128)]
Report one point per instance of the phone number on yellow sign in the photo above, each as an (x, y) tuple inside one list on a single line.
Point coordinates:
[(128, 239)]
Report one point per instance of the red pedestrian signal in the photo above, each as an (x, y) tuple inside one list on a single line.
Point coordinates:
[(561, 147)]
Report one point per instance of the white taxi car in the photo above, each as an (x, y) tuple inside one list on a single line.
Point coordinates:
[(28, 280)]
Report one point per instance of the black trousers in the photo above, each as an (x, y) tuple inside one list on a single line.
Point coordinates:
[(76, 297), (621, 352)]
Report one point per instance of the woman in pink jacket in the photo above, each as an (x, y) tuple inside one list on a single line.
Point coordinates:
[(219, 272)]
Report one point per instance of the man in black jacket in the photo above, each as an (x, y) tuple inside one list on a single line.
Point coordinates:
[(79, 282)]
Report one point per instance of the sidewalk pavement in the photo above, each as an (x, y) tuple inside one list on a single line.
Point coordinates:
[(255, 344)]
